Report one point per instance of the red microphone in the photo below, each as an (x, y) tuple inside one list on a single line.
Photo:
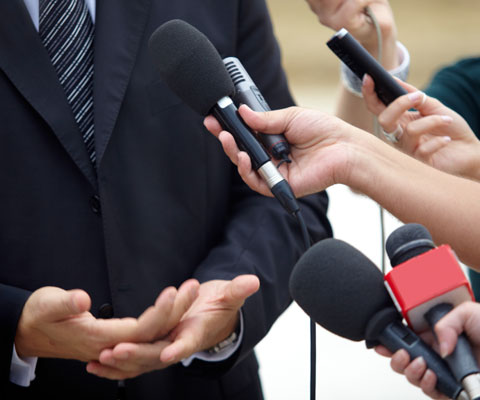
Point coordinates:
[(429, 279), (425, 284)]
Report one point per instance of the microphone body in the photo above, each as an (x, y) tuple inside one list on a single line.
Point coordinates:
[(342, 290), (227, 114), (246, 92), (425, 284), (361, 62)]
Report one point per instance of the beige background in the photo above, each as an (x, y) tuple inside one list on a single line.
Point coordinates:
[(436, 32)]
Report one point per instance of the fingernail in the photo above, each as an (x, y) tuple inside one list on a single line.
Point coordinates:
[(414, 96), (418, 363), (443, 349), (447, 139), (364, 79), (447, 118)]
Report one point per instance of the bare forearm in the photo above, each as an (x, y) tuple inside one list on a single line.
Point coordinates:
[(414, 192)]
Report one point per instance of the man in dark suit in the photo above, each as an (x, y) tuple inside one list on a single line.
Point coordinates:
[(111, 185)]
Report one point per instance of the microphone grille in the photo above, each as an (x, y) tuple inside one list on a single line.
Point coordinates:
[(408, 241), (190, 65), (234, 72), (339, 288)]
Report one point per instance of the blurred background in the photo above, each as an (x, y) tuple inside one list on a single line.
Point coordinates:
[(436, 33)]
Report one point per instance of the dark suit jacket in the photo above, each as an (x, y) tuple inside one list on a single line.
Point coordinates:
[(164, 205)]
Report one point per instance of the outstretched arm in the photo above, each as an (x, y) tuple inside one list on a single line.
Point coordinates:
[(326, 150)]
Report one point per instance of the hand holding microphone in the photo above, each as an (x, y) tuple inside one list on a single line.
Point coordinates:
[(465, 319), (426, 283)]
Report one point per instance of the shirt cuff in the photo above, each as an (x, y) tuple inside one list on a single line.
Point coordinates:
[(354, 84), (222, 355), (22, 370)]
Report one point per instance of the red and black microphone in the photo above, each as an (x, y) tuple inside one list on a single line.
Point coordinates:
[(425, 284)]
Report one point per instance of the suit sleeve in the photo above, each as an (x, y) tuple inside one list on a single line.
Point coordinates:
[(260, 237), (12, 301)]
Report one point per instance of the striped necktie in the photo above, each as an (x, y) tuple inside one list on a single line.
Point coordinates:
[(66, 30)]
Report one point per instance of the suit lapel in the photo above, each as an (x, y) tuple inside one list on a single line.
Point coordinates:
[(26, 63), (119, 27)]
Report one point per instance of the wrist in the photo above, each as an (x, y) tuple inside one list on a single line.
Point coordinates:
[(368, 163)]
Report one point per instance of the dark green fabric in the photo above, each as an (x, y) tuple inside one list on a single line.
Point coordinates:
[(458, 87)]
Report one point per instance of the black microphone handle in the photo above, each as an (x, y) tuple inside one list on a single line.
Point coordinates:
[(397, 336), (462, 362), (361, 62), (227, 114)]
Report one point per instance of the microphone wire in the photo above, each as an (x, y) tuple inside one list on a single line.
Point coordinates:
[(376, 128), (307, 242)]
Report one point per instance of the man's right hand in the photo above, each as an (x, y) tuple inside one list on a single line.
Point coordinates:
[(56, 323)]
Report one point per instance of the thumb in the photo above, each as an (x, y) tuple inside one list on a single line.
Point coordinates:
[(268, 122), (56, 304), (240, 288)]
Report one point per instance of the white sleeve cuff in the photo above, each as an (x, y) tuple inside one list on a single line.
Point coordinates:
[(22, 370), (222, 355)]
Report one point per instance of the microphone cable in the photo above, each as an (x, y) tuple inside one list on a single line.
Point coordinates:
[(376, 129), (307, 242)]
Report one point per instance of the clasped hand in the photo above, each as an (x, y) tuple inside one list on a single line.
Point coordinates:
[(56, 323)]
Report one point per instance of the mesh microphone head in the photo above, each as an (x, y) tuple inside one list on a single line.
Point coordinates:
[(408, 241), (339, 288), (190, 65)]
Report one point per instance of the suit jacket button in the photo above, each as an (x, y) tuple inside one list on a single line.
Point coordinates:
[(95, 204), (105, 311)]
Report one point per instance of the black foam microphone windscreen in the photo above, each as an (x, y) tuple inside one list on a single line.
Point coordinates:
[(410, 240), (342, 290), (190, 65), (339, 288)]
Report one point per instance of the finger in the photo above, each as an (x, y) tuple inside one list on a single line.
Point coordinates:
[(186, 343), (229, 146), (56, 304), (432, 124), (187, 293), (415, 371), (389, 118), (212, 125), (276, 121), (461, 318), (250, 177), (107, 372), (152, 323), (426, 150), (135, 356), (374, 105), (400, 361), (408, 87), (237, 290), (383, 351), (427, 384)]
